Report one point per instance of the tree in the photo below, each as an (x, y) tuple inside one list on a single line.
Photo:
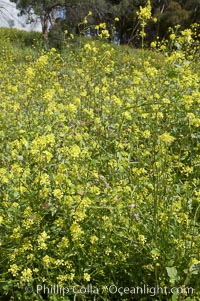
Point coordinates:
[(41, 8), (168, 13), (194, 8)]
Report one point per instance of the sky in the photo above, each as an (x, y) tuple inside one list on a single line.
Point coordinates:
[(9, 17)]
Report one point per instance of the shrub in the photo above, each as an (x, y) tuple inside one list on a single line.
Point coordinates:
[(99, 176)]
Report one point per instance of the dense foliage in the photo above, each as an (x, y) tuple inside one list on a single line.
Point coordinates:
[(99, 171), (168, 13)]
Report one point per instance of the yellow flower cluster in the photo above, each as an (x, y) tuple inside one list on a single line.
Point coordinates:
[(145, 12), (99, 164)]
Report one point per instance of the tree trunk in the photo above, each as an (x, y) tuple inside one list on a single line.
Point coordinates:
[(44, 23)]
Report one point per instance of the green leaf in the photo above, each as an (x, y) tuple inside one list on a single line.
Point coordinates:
[(194, 269), (172, 273), (172, 74), (175, 297)]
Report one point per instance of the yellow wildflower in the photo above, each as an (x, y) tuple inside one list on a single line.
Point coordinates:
[(86, 277)]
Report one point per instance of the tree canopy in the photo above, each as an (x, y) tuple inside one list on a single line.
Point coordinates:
[(168, 14)]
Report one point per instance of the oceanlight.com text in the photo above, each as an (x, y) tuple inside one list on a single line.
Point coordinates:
[(110, 289)]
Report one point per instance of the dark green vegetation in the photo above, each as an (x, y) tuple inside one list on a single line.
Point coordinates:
[(168, 14)]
